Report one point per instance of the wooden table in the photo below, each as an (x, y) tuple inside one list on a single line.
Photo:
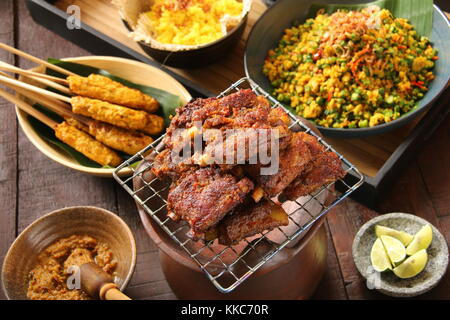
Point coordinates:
[(31, 185)]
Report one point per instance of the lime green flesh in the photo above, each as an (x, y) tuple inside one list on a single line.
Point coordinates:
[(379, 258)]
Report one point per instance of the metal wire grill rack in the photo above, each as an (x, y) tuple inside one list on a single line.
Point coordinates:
[(229, 266)]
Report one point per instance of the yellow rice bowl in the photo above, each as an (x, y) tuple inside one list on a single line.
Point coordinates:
[(179, 25), (190, 22)]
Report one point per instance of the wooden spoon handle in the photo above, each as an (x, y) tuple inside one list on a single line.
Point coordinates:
[(98, 284), (110, 292)]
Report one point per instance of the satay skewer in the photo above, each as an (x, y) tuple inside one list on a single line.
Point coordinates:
[(127, 141), (77, 139), (55, 105), (99, 110), (92, 86)]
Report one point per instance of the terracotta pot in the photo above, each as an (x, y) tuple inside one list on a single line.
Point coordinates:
[(293, 273)]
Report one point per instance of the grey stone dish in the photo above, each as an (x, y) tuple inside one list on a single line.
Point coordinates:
[(387, 282)]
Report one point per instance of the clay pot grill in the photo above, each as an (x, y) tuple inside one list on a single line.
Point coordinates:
[(274, 256)]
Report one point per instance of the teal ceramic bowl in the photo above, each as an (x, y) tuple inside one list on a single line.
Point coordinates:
[(268, 31)]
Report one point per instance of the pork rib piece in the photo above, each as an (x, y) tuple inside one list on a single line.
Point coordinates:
[(204, 197), (247, 221), (323, 169), (292, 161)]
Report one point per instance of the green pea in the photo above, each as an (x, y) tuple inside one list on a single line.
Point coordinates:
[(355, 96), (390, 99), (320, 101), (363, 123)]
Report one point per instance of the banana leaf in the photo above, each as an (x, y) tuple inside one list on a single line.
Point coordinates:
[(169, 102), (418, 12)]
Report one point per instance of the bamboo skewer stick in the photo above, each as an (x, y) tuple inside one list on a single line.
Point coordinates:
[(34, 75), (51, 84), (9, 67), (35, 59), (46, 93), (45, 82), (22, 105), (30, 93), (53, 105), (33, 95)]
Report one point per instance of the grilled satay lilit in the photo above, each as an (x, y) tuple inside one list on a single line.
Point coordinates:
[(84, 143), (77, 139), (102, 88), (128, 141), (117, 115)]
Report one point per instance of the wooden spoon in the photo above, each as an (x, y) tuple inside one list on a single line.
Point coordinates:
[(94, 281), (97, 283)]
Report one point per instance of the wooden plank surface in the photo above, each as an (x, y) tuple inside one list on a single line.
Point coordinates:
[(31, 185), (8, 144)]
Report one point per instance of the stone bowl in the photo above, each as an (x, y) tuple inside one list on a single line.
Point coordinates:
[(387, 282)]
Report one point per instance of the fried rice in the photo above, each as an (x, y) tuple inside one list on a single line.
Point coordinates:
[(351, 69)]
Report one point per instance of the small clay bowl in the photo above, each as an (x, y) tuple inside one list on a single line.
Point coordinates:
[(101, 224), (387, 282)]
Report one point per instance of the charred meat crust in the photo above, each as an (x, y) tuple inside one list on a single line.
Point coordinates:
[(292, 161), (324, 169), (203, 197), (248, 221)]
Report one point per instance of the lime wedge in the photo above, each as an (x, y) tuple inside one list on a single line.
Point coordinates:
[(422, 240), (404, 237), (394, 249), (379, 258), (413, 265)]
